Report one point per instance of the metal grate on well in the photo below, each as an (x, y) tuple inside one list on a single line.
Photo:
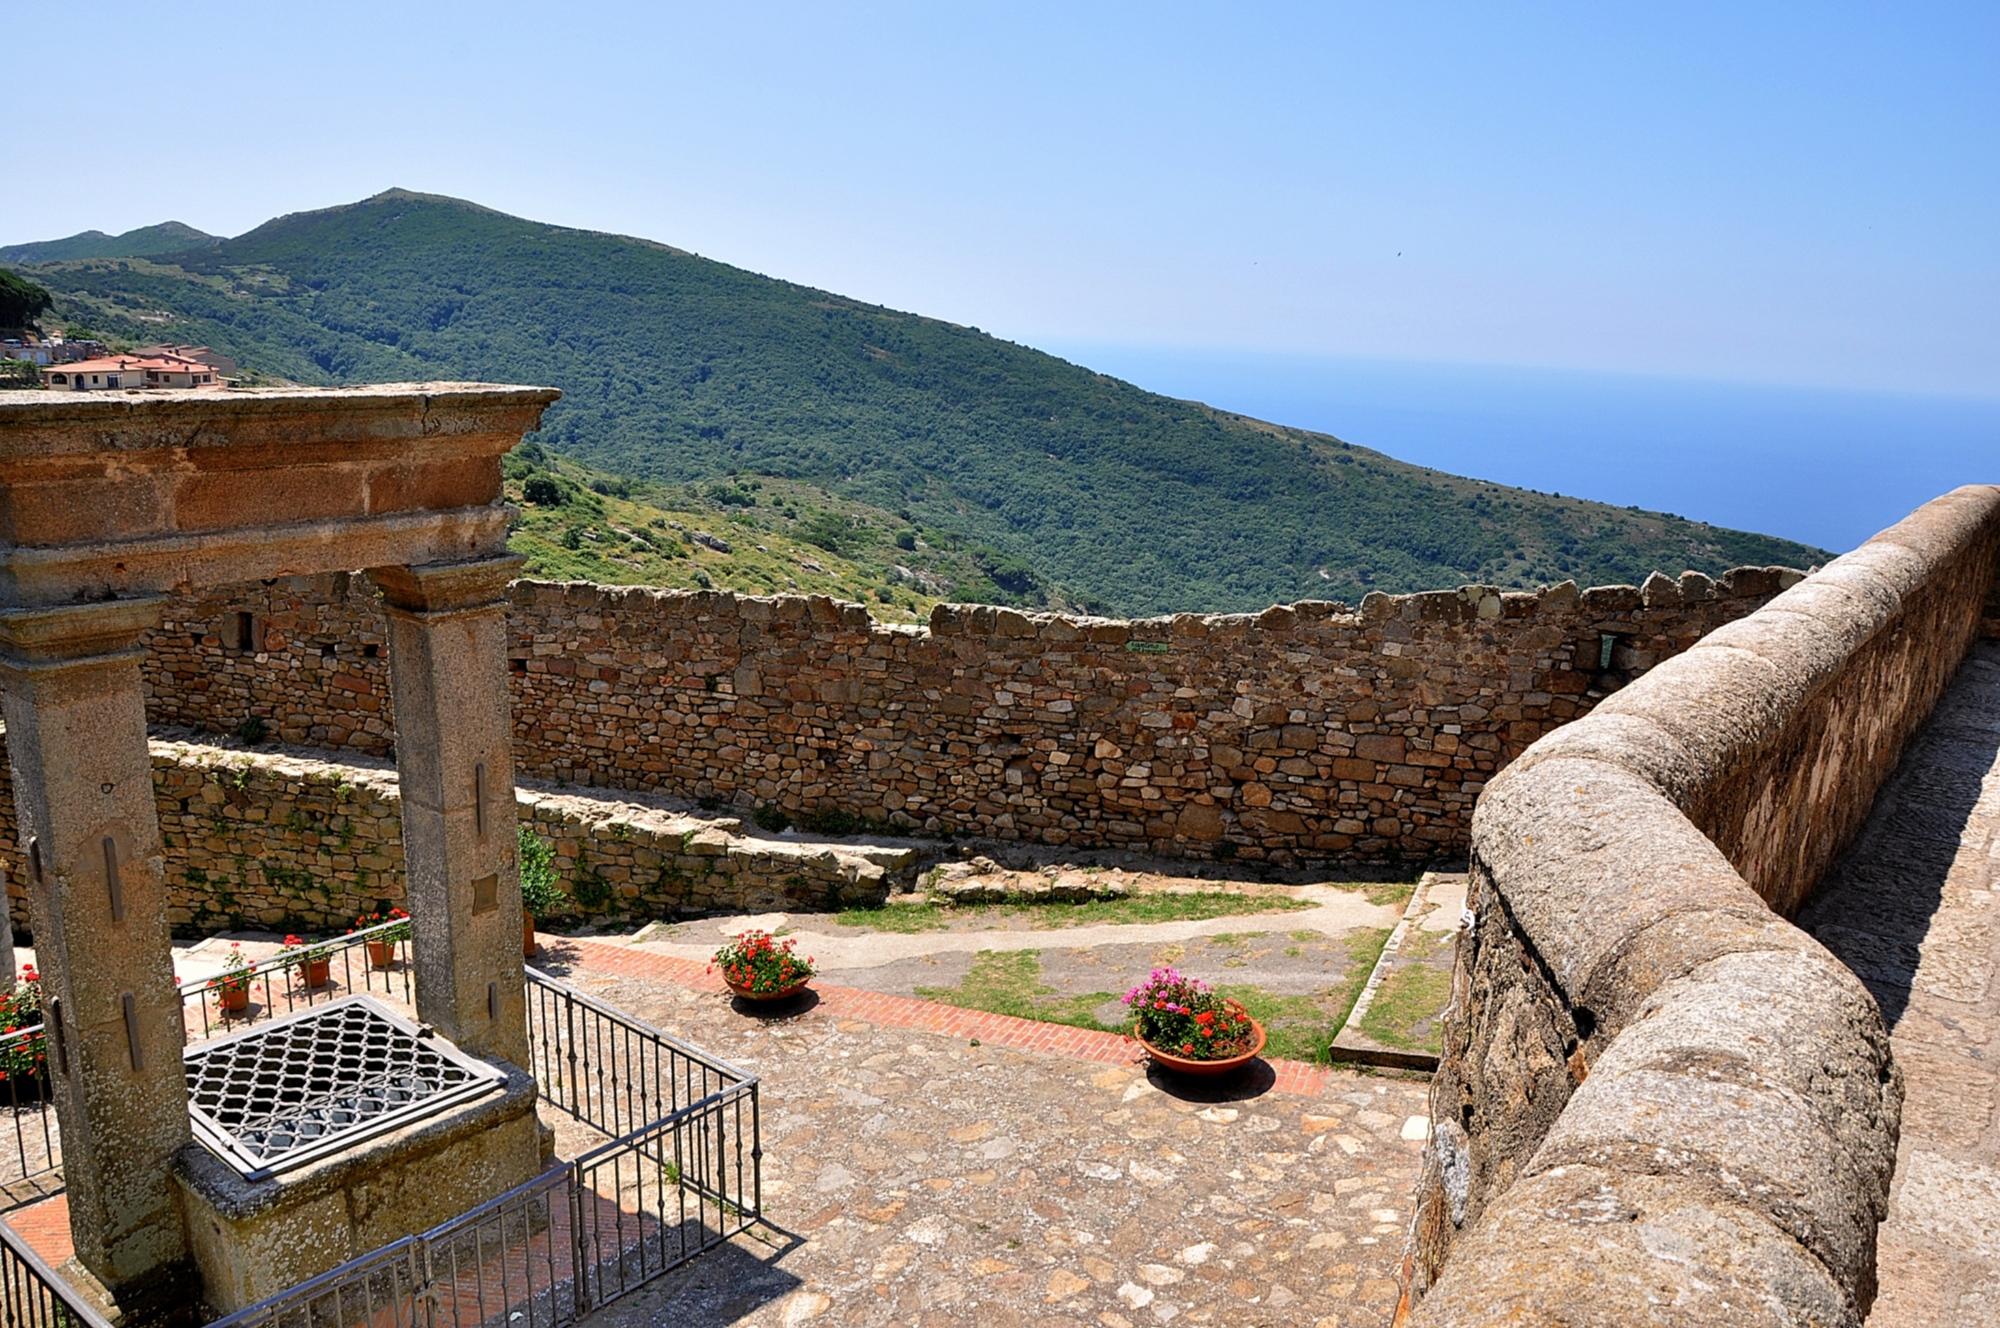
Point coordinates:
[(288, 1092)]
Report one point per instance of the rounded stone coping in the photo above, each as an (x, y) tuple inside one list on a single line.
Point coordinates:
[(1732, 1138)]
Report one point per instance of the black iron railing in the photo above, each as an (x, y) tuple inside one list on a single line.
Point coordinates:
[(34, 1295), (680, 1174), (375, 959), (608, 1070), (30, 1145)]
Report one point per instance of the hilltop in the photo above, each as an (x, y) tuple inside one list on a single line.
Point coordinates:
[(166, 238), (678, 370)]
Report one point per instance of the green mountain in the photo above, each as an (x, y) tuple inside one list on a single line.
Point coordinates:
[(677, 369), (166, 238)]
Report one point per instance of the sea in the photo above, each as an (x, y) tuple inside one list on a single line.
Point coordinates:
[(1826, 467)]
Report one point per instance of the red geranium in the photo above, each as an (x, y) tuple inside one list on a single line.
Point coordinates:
[(761, 964), (1176, 1011)]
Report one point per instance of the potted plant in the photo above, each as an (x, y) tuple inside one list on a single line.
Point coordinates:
[(759, 967), (232, 986), (1185, 1026), (540, 895), (382, 947), (22, 1059), (310, 962)]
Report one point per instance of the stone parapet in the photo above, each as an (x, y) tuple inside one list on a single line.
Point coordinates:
[(290, 842), (1659, 1101), (1307, 731)]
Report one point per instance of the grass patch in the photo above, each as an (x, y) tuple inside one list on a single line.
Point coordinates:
[(1296, 1027), (903, 918), (1010, 982), (1131, 911), (1303, 1027), (1158, 908), (1377, 892), (1406, 1007)]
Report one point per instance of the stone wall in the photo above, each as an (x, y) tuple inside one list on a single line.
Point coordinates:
[(287, 842), (1310, 731), (1659, 1101)]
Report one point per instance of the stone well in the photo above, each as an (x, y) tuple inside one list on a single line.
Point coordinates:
[(107, 506)]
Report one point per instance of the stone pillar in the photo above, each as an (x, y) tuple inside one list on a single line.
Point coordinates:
[(96, 884), (455, 759)]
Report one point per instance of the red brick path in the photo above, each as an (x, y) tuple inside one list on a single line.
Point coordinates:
[(45, 1226), (1000, 1030)]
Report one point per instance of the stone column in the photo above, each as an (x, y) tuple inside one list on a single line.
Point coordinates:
[(455, 758), (96, 884)]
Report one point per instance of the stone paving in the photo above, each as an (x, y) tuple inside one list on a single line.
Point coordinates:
[(928, 1179), (1913, 910), (927, 1164)]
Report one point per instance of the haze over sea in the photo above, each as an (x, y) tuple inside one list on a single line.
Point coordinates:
[(1828, 468)]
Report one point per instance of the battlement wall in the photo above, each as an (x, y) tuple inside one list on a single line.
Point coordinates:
[(1655, 1090), (287, 842), (1311, 731)]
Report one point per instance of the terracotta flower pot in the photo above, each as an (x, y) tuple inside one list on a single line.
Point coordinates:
[(380, 953), (234, 999), (1188, 1065), (528, 947), (760, 997), (316, 972)]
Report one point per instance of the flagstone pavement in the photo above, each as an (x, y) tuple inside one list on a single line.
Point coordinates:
[(1914, 910), (922, 1174)]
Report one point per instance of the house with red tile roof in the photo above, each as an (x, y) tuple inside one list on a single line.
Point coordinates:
[(127, 372)]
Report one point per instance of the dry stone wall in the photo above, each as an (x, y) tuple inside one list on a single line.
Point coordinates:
[(287, 842), (1305, 732), (1658, 1100)]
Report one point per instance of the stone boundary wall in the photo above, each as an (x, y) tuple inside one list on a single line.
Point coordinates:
[(283, 842), (1303, 732), (1659, 1101)]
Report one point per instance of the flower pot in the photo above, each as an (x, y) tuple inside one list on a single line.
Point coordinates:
[(380, 953), (315, 972), (234, 999), (760, 997), (1188, 1065), (528, 946)]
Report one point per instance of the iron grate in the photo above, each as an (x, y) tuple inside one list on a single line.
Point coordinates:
[(296, 1089)]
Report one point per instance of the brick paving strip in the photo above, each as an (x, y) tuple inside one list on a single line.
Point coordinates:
[(891, 1011)]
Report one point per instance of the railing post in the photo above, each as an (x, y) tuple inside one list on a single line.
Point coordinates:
[(579, 1262), (569, 1055), (756, 1155)]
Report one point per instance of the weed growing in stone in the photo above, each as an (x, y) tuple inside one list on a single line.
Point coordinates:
[(1132, 910)]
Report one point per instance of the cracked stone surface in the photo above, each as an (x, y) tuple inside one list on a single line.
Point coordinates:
[(925, 1181), (1913, 910)]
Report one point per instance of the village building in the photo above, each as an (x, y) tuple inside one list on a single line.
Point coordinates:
[(126, 372), (222, 364), (53, 350)]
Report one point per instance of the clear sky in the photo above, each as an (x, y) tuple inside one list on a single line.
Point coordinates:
[(1800, 194)]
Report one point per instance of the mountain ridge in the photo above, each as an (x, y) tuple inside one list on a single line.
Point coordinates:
[(681, 370), (144, 242)]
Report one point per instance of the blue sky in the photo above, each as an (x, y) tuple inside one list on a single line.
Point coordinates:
[(1777, 194), (1800, 194)]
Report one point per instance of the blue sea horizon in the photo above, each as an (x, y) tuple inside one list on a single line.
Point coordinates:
[(1825, 467)]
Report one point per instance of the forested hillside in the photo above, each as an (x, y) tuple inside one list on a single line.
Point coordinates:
[(165, 238), (677, 369)]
